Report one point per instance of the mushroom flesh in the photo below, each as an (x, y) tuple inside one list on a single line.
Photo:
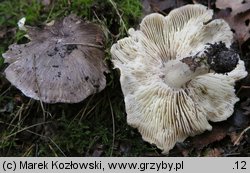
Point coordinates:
[(63, 62)]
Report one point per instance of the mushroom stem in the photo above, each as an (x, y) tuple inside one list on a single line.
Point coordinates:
[(178, 72)]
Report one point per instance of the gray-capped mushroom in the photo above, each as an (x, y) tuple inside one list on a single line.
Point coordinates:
[(63, 62), (168, 98)]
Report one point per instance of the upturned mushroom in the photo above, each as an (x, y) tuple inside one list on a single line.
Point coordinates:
[(171, 75), (63, 62)]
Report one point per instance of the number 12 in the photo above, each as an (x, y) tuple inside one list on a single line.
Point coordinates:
[(241, 165)]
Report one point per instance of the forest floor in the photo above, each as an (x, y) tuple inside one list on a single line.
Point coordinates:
[(97, 126)]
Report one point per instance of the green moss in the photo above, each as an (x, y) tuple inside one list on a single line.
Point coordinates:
[(1, 58), (131, 9), (12, 11), (82, 7)]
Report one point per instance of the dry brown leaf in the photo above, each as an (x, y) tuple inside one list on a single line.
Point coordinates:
[(150, 6), (161, 6), (218, 133), (63, 62), (237, 14), (237, 6)]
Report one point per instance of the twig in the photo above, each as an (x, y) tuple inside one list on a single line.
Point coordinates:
[(241, 134), (241, 88)]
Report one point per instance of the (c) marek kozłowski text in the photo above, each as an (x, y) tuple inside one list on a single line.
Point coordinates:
[(25, 165)]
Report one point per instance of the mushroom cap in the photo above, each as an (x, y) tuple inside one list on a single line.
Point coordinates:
[(165, 114), (63, 62)]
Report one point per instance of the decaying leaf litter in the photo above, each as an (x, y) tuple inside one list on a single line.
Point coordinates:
[(101, 144)]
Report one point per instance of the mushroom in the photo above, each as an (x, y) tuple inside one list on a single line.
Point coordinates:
[(170, 90), (63, 62)]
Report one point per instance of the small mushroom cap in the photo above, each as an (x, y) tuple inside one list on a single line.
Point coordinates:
[(165, 114), (63, 62)]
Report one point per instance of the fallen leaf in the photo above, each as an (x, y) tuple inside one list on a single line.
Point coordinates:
[(236, 6), (237, 14), (218, 133), (207, 3), (161, 6)]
